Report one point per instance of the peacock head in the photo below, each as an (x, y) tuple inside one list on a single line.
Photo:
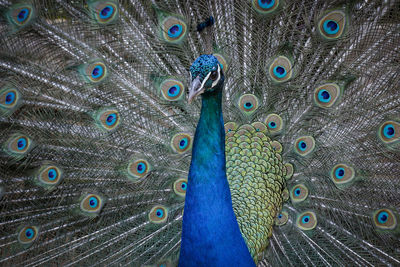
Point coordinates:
[(206, 76)]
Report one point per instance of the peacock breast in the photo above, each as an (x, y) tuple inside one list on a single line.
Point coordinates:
[(257, 180)]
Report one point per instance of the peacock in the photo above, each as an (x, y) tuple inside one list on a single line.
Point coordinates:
[(200, 133)]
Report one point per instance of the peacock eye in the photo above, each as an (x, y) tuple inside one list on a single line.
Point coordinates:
[(214, 75)]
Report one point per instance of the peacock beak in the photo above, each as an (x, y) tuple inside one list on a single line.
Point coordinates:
[(195, 89)]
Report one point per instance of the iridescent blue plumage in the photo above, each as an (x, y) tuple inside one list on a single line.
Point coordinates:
[(210, 232)]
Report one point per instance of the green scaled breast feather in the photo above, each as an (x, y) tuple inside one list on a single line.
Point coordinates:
[(257, 179)]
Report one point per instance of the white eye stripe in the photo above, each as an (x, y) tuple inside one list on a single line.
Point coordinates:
[(219, 76), (205, 80), (208, 76)]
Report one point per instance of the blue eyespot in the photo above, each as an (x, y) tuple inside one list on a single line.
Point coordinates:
[(111, 119), (21, 143), (279, 71), (305, 219), (108, 119), (297, 192), (174, 90), (184, 186), (248, 105), (10, 98), (29, 233), (159, 213), (331, 27), (266, 3), (106, 12), (383, 217), (97, 72), (302, 145), (23, 15), (272, 124), (93, 202), (52, 174), (183, 143), (280, 216), (388, 131), (141, 168), (324, 96), (339, 173), (175, 30)]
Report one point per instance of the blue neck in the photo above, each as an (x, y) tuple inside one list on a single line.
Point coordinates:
[(210, 232)]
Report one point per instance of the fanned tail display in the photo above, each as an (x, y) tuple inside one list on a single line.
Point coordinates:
[(278, 122)]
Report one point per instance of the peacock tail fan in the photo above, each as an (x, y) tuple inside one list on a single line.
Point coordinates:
[(97, 133)]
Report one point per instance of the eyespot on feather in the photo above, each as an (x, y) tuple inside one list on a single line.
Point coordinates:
[(259, 127), (94, 72), (282, 218), (9, 99), (172, 89), (332, 25), (274, 123), (389, 132), (49, 176), (248, 103), (173, 30), (138, 169), (384, 219), (230, 127), (299, 193), (181, 142), (21, 15), (326, 95), (28, 234), (222, 61), (277, 146), (265, 6), (306, 220), (280, 69), (304, 145), (158, 214), (108, 119), (91, 204), (342, 175), (180, 187), (104, 12), (18, 145)]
